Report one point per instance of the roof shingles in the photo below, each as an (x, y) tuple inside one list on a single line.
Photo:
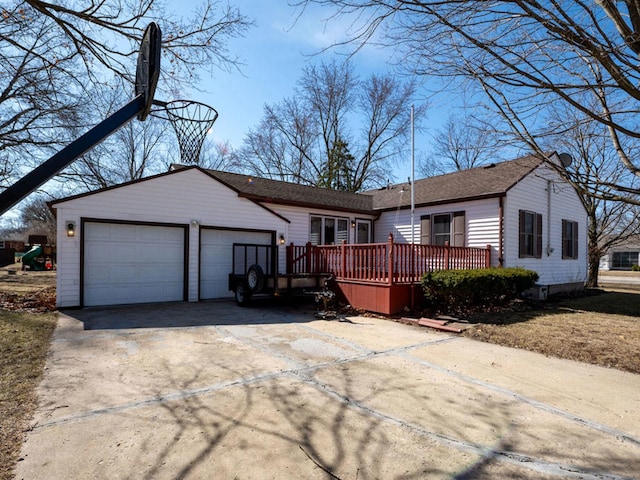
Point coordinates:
[(480, 182), (475, 183), (276, 191)]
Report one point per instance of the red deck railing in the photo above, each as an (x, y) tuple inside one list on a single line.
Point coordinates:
[(370, 262)]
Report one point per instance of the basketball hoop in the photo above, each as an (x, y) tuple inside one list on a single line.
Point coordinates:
[(191, 121)]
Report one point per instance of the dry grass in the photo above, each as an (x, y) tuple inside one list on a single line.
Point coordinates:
[(25, 334), (24, 341), (602, 329)]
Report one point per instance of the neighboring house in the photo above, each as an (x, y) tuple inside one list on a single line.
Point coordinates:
[(8, 250), (622, 257), (17, 245), (168, 237)]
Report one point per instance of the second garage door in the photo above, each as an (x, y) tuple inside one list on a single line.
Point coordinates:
[(126, 263), (216, 258)]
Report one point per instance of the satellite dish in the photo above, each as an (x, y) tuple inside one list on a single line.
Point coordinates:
[(565, 159)]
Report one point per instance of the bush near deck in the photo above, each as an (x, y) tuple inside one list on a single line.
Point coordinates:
[(469, 288)]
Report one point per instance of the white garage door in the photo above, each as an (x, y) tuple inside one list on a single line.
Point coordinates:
[(132, 264), (216, 257)]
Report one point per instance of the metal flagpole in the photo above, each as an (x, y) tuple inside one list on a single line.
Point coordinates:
[(413, 213), (413, 174)]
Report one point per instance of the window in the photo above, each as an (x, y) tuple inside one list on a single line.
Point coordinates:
[(328, 230), (442, 228), (363, 231), (569, 239), (530, 234), (624, 259)]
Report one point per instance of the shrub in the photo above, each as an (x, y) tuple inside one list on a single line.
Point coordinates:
[(635, 268), (455, 289)]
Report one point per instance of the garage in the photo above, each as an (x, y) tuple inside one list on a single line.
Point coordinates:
[(216, 258), (132, 263)]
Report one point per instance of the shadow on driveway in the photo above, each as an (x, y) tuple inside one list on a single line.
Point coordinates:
[(183, 314)]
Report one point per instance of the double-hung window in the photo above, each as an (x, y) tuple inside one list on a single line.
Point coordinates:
[(569, 239), (443, 228), (530, 235)]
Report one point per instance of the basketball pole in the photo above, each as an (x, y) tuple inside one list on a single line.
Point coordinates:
[(147, 74), (34, 179)]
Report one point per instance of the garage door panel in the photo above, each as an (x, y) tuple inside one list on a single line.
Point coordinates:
[(133, 264), (216, 258)]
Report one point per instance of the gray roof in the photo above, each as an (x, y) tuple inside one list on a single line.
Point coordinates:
[(481, 182), (277, 191), (475, 183)]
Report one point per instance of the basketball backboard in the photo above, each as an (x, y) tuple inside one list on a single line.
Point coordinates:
[(148, 69)]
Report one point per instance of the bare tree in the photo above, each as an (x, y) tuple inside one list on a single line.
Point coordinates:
[(136, 150), (52, 53), (526, 55), (593, 169), (333, 111), (92, 33), (218, 156), (461, 143), (37, 218), (37, 93)]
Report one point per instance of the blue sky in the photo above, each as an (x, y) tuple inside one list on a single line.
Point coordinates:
[(274, 53)]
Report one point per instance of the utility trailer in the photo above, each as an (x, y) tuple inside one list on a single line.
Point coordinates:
[(255, 272)]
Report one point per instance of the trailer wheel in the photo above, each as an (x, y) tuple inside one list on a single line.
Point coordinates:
[(242, 295), (255, 278)]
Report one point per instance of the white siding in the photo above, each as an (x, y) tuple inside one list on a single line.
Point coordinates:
[(560, 202), (178, 198), (482, 223), (300, 217)]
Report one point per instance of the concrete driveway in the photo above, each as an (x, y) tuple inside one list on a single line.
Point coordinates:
[(210, 390)]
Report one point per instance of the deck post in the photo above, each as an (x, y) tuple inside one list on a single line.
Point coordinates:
[(487, 257), (390, 258), (447, 254), (308, 257), (343, 259), (289, 255)]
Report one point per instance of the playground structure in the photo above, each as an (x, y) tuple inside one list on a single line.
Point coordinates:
[(38, 258)]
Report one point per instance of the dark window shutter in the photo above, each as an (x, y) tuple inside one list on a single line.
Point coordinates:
[(458, 229), (538, 252), (521, 252), (425, 229), (575, 240), (565, 246)]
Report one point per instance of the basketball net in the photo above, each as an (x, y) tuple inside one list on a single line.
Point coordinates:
[(191, 121)]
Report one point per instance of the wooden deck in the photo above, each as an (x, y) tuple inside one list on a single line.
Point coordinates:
[(380, 277)]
